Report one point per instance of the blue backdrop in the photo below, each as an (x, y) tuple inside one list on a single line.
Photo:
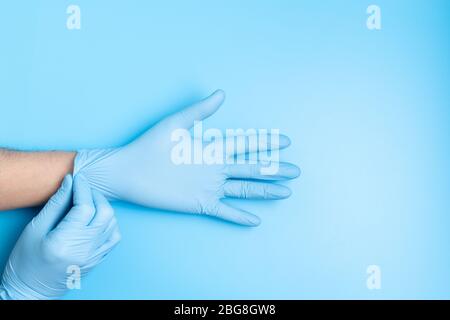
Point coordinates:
[(367, 112)]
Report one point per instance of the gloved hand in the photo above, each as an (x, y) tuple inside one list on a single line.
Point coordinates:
[(59, 237), (144, 172)]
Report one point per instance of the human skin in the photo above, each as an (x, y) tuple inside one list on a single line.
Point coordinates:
[(131, 172), (29, 179)]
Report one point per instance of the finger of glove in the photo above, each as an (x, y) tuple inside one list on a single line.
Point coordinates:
[(104, 212), (197, 112), (235, 215), (101, 253), (255, 190), (285, 171), (104, 232), (243, 144), (56, 207), (83, 209)]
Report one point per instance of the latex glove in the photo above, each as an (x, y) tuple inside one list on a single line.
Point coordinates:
[(143, 172), (60, 236)]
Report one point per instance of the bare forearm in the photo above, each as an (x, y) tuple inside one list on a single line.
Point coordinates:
[(30, 178)]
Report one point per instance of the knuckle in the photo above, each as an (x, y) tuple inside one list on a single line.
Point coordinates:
[(245, 189), (211, 209), (107, 210), (255, 170), (117, 237), (86, 208), (54, 251), (265, 192), (113, 221), (110, 225)]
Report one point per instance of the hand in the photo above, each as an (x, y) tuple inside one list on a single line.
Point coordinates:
[(144, 172), (60, 236)]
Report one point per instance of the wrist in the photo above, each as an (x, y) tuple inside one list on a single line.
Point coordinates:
[(14, 288), (24, 293), (96, 167)]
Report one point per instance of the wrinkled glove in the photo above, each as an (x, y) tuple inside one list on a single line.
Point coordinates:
[(144, 172), (61, 237)]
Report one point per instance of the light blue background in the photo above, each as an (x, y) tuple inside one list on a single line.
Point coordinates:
[(367, 111)]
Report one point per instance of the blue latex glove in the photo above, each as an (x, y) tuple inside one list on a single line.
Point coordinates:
[(59, 237), (143, 172)]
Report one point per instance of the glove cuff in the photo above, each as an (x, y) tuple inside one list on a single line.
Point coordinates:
[(93, 164), (3, 294), (12, 288), (7, 295), (87, 159)]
